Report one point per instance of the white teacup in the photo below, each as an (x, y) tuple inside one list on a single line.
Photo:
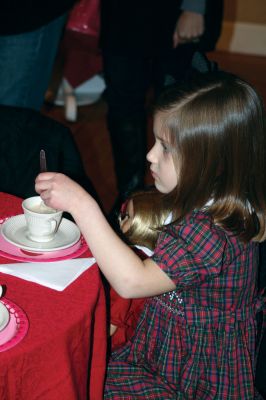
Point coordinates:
[(42, 221)]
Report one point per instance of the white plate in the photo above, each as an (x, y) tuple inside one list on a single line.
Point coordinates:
[(4, 316), (14, 230)]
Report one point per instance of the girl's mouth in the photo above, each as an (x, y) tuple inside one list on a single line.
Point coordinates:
[(154, 175)]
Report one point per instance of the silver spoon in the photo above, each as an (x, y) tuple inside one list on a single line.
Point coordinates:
[(43, 166)]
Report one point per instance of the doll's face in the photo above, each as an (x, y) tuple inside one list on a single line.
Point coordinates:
[(126, 217)]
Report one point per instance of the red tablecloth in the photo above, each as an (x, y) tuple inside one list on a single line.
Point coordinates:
[(63, 355)]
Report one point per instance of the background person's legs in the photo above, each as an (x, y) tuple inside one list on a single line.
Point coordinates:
[(26, 62), (172, 66), (127, 83)]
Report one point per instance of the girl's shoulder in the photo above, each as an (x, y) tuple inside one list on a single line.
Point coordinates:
[(199, 223), (198, 216), (196, 220), (199, 234)]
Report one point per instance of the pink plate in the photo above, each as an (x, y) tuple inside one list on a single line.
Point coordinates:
[(8, 250), (17, 327)]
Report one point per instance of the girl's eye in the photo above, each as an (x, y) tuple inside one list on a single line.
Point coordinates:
[(166, 148)]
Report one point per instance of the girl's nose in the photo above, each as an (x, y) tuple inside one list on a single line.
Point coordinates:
[(151, 155)]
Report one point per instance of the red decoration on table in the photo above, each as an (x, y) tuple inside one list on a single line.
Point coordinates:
[(80, 43)]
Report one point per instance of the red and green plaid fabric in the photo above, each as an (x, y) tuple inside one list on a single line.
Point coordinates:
[(197, 342)]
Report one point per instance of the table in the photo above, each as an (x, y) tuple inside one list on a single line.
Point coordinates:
[(63, 355)]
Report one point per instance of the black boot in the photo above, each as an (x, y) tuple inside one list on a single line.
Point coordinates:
[(129, 142)]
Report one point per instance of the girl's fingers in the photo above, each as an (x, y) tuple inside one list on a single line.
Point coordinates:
[(46, 175), (43, 186), (45, 180)]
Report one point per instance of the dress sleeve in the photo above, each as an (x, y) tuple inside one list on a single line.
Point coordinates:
[(192, 252)]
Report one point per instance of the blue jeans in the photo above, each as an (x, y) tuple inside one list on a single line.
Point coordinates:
[(26, 62)]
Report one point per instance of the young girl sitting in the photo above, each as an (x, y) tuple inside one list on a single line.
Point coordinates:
[(195, 338)]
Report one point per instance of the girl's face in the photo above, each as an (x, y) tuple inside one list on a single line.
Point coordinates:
[(161, 158)]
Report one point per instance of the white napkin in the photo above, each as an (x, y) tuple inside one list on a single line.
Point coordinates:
[(55, 275)]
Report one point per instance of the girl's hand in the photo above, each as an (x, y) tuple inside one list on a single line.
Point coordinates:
[(59, 192), (189, 28)]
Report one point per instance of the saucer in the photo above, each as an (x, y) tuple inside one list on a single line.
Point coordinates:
[(9, 251), (17, 327), (4, 316), (14, 230)]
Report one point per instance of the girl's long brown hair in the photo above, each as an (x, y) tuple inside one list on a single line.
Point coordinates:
[(216, 122)]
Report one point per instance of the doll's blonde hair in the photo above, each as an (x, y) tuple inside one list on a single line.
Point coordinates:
[(147, 220)]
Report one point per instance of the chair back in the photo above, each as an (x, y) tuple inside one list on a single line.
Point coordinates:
[(23, 133)]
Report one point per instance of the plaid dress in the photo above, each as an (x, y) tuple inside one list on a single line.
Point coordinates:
[(198, 341)]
